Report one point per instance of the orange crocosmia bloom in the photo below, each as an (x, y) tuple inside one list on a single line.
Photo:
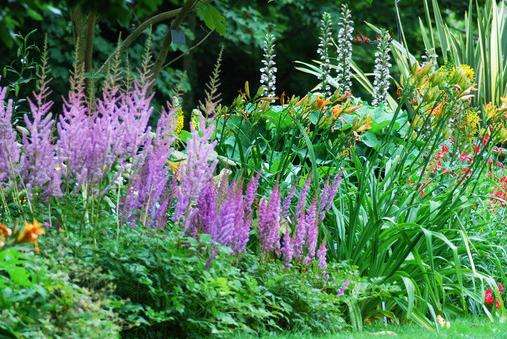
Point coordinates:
[(30, 232), (322, 102), (5, 231)]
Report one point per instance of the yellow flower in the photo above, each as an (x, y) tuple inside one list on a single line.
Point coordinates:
[(179, 121), (490, 110), (365, 124), (30, 233), (467, 71), (174, 165), (471, 122)]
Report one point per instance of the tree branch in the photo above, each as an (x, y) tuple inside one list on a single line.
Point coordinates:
[(166, 44), (140, 29)]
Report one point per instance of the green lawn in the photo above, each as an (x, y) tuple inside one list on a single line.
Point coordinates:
[(464, 328)]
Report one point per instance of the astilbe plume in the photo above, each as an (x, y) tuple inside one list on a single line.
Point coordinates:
[(94, 139), (205, 219), (243, 226), (133, 112), (325, 42), (196, 172), (321, 256), (301, 245), (9, 148), (269, 221), (301, 227), (73, 130), (327, 195), (287, 248), (230, 217), (344, 50), (312, 232), (381, 70), (149, 193), (225, 213), (41, 168)]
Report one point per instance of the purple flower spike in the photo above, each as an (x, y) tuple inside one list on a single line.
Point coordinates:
[(41, 168), (343, 288), (9, 149), (312, 232), (328, 194), (196, 172), (269, 221), (321, 256), (287, 202), (287, 249)]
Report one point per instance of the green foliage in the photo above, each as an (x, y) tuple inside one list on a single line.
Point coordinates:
[(212, 17), (164, 282), (36, 301)]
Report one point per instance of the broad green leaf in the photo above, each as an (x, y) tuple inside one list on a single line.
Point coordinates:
[(212, 17)]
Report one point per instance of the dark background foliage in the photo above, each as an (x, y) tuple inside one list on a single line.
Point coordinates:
[(295, 23)]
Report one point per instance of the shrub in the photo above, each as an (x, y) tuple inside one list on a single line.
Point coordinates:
[(38, 302), (168, 283)]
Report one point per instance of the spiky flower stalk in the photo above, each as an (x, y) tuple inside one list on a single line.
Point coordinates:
[(326, 37), (9, 149), (344, 50), (268, 71), (41, 167), (212, 99), (381, 71)]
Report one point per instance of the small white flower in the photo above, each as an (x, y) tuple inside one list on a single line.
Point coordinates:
[(381, 70), (323, 51), (344, 50), (268, 73)]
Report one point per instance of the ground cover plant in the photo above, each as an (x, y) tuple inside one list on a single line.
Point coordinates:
[(270, 214)]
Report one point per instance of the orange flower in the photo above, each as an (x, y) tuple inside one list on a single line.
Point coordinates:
[(351, 109), (337, 111), (322, 102), (30, 232), (5, 231), (437, 110)]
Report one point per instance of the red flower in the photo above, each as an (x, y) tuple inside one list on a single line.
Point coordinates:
[(485, 140), (497, 304), (488, 296), (465, 157), (501, 288)]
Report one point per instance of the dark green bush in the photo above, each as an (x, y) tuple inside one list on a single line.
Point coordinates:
[(36, 302), (167, 283)]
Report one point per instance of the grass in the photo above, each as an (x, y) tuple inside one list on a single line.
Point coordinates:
[(460, 328)]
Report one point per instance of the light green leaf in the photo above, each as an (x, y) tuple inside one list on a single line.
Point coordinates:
[(211, 17)]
